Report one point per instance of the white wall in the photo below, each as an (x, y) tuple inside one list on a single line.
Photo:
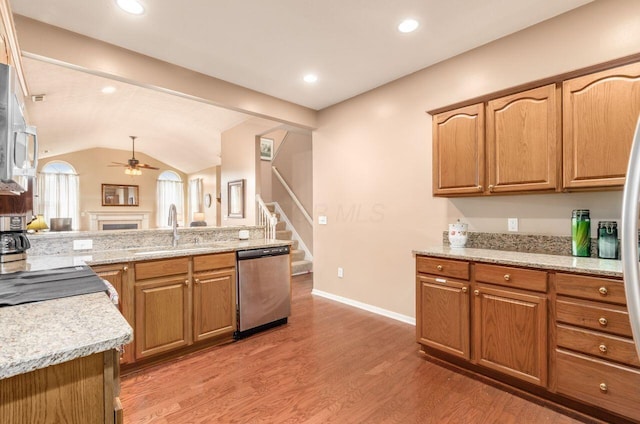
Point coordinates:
[(93, 171), (266, 176), (209, 186), (372, 156), (240, 160)]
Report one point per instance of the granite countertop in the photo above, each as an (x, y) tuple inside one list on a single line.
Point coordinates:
[(37, 262), (36, 335), (594, 266)]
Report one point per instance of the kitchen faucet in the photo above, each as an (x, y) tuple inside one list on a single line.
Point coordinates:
[(173, 221)]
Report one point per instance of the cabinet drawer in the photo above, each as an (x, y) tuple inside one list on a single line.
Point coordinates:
[(217, 261), (593, 288), (162, 268), (606, 385), (444, 267), (512, 277), (598, 316), (598, 344)]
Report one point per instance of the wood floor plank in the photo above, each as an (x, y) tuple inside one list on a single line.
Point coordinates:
[(330, 364)]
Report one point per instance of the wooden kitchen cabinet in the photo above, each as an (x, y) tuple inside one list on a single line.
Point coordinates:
[(523, 141), (81, 391), (600, 111), (118, 275), (162, 306), (557, 335), (214, 302), (458, 151), (510, 332), (506, 325), (570, 133), (610, 386), (182, 301), (443, 310), (596, 360)]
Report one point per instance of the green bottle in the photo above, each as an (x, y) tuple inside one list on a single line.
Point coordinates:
[(580, 233)]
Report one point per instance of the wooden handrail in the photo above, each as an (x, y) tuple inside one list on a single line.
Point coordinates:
[(292, 195)]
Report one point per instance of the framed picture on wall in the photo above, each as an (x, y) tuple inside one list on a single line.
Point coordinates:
[(235, 191), (266, 148)]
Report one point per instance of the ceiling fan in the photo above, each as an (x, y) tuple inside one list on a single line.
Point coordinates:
[(133, 165)]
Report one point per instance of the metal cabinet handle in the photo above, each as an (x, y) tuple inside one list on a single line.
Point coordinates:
[(603, 321), (463, 290), (479, 188), (507, 277), (491, 187), (602, 348), (604, 388), (197, 280), (186, 282), (603, 291), (125, 268), (439, 267), (476, 292)]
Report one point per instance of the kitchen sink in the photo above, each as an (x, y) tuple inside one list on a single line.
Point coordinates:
[(186, 250)]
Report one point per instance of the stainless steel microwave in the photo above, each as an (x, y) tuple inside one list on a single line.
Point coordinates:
[(18, 141)]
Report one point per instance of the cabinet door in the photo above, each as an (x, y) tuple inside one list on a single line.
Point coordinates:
[(523, 141), (510, 333), (600, 111), (214, 304), (76, 391), (458, 151), (443, 315), (162, 315), (118, 276)]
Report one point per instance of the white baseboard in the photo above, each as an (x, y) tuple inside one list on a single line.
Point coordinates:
[(370, 308)]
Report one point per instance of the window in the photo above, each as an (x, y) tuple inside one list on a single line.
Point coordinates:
[(58, 193), (195, 197), (170, 190)]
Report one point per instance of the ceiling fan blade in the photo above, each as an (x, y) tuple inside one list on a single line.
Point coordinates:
[(118, 164), (145, 166)]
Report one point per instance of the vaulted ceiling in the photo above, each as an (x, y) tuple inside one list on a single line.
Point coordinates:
[(268, 46)]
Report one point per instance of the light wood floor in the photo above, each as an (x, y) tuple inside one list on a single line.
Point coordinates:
[(331, 364)]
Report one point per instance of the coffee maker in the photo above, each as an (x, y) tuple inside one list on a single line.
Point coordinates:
[(13, 239)]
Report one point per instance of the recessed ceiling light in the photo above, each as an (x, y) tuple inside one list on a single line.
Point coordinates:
[(108, 89), (131, 6), (408, 25), (310, 78)]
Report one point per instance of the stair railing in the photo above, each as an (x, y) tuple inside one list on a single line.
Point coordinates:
[(292, 195), (266, 219)]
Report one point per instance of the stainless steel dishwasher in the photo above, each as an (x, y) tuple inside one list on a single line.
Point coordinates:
[(263, 289)]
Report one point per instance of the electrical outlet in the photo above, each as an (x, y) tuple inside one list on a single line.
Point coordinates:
[(340, 272), (82, 244), (512, 224), (322, 220)]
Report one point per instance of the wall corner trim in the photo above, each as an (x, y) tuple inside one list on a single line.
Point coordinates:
[(370, 308)]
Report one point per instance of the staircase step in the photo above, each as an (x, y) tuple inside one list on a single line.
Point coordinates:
[(271, 207), (283, 235), (301, 267), (297, 255), (281, 225), (295, 245)]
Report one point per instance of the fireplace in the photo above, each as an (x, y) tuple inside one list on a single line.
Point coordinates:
[(118, 220)]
